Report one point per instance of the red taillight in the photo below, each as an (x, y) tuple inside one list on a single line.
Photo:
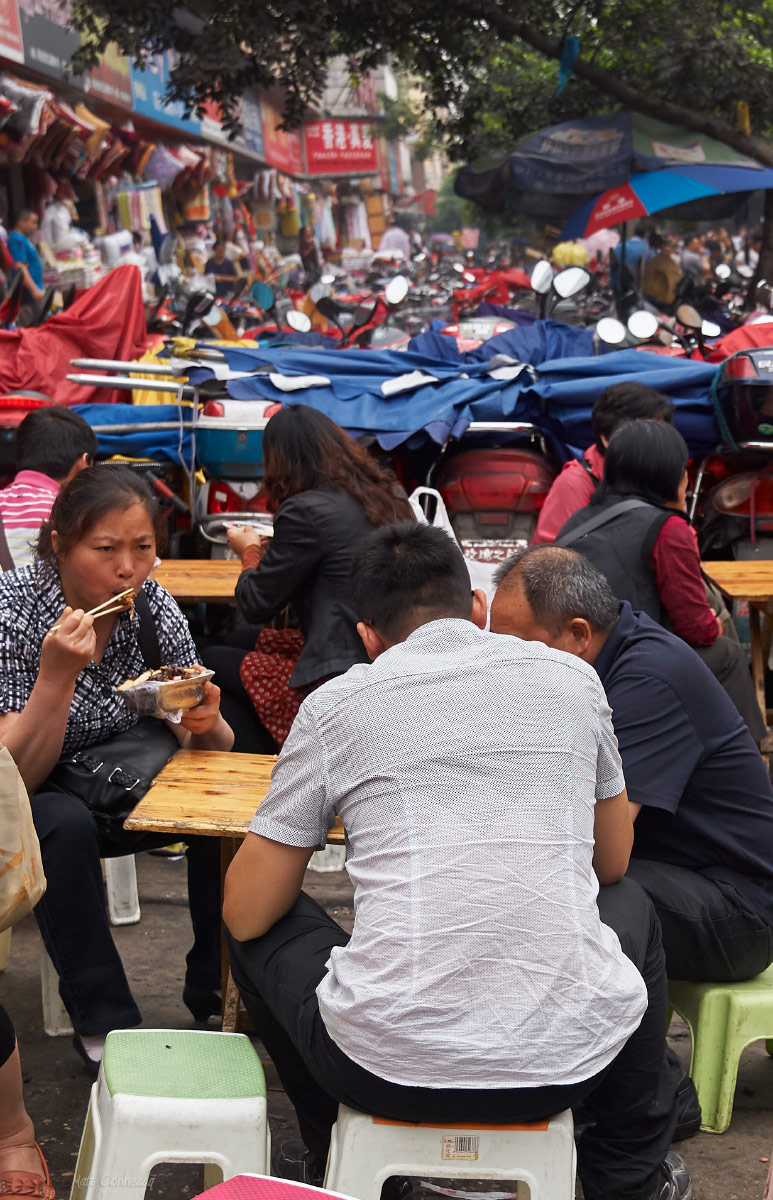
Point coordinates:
[(741, 367), (744, 495), (214, 408), (223, 499), (272, 410)]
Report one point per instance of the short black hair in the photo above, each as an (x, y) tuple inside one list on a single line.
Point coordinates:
[(407, 574), (52, 439), (627, 402), (559, 585), (646, 459)]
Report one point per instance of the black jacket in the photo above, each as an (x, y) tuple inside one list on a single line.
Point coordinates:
[(308, 564)]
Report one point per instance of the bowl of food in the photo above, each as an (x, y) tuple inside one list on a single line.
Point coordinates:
[(168, 689)]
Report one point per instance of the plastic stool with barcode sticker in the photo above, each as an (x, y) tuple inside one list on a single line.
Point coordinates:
[(365, 1151)]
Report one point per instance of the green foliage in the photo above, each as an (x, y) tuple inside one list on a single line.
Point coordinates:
[(484, 81)]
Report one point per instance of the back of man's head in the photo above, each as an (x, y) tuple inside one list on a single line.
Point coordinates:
[(407, 574), (52, 440), (560, 587), (627, 402)]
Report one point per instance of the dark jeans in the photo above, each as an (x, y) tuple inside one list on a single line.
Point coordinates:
[(710, 933), (73, 918), (730, 667), (250, 734), (631, 1102)]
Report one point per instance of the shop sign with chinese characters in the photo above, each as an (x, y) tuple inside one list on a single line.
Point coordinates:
[(340, 148)]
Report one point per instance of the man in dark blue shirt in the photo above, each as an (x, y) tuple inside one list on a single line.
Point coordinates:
[(700, 793)]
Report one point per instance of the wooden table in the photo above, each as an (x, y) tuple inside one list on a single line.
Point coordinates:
[(199, 580), (212, 793), (752, 582)]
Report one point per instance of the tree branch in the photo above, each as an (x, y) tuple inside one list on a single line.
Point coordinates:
[(608, 83)]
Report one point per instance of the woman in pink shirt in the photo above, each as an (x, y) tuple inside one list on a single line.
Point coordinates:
[(577, 481)]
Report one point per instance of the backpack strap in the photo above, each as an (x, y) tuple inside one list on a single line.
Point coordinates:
[(600, 519), (653, 532), (147, 634)]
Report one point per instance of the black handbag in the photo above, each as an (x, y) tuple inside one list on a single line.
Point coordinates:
[(112, 776)]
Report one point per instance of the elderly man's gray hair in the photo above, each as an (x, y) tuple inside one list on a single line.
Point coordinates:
[(559, 585)]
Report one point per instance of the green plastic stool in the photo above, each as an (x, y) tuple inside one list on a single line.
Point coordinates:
[(723, 1018), (172, 1095)]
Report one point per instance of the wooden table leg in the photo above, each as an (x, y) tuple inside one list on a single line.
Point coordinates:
[(758, 656)]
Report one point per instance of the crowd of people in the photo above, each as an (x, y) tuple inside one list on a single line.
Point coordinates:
[(659, 261), (551, 807)]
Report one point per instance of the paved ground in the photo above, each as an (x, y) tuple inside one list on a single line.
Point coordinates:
[(730, 1167)]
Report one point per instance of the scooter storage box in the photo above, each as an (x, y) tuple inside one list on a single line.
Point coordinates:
[(231, 445), (745, 395)]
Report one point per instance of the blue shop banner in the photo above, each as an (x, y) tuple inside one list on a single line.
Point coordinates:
[(149, 88)]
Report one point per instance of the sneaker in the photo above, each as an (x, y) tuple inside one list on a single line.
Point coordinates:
[(293, 1160), (675, 1182), (688, 1111)]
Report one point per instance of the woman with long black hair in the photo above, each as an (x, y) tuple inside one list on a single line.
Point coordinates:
[(635, 531), (326, 493)]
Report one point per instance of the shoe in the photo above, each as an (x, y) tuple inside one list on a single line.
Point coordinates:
[(688, 1111), (202, 1004), (25, 1183), (398, 1187), (90, 1050), (675, 1180), (293, 1160)]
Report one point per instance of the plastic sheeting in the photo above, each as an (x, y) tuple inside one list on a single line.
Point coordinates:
[(107, 321)]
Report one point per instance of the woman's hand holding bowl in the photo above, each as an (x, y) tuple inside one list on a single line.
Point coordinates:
[(200, 719), (69, 648), (242, 536)]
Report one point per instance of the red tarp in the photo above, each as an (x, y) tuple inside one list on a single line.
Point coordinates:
[(745, 337), (107, 321)]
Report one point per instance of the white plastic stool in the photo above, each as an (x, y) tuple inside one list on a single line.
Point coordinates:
[(123, 902), (332, 858), (365, 1151), (172, 1095), (5, 948), (56, 1019)]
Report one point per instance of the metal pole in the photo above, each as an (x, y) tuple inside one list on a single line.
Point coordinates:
[(127, 384)]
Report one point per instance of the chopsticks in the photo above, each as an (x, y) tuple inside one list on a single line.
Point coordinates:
[(118, 603)]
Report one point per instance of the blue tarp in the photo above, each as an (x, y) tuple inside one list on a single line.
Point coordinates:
[(140, 443), (559, 401)]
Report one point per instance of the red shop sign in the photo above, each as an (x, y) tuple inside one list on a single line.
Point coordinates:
[(340, 148)]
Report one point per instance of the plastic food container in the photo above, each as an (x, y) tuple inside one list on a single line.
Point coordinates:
[(163, 697)]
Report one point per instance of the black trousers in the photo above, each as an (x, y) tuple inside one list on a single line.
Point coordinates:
[(250, 734), (710, 933), (729, 665), (631, 1101), (7, 1037), (73, 919)]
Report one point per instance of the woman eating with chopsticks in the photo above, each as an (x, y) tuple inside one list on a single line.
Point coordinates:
[(75, 625)]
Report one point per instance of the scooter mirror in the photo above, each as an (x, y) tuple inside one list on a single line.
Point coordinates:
[(213, 316), (610, 331), (458, 267), (397, 289), (468, 277), (744, 271), (687, 316), (723, 271), (571, 281), (298, 321), (262, 294), (419, 258), (643, 324), (710, 329), (328, 280), (542, 277)]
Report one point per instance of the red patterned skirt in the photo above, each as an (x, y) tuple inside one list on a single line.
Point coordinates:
[(265, 673)]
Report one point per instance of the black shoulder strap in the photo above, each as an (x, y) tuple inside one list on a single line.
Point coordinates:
[(653, 531), (601, 517), (147, 634), (6, 558)]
